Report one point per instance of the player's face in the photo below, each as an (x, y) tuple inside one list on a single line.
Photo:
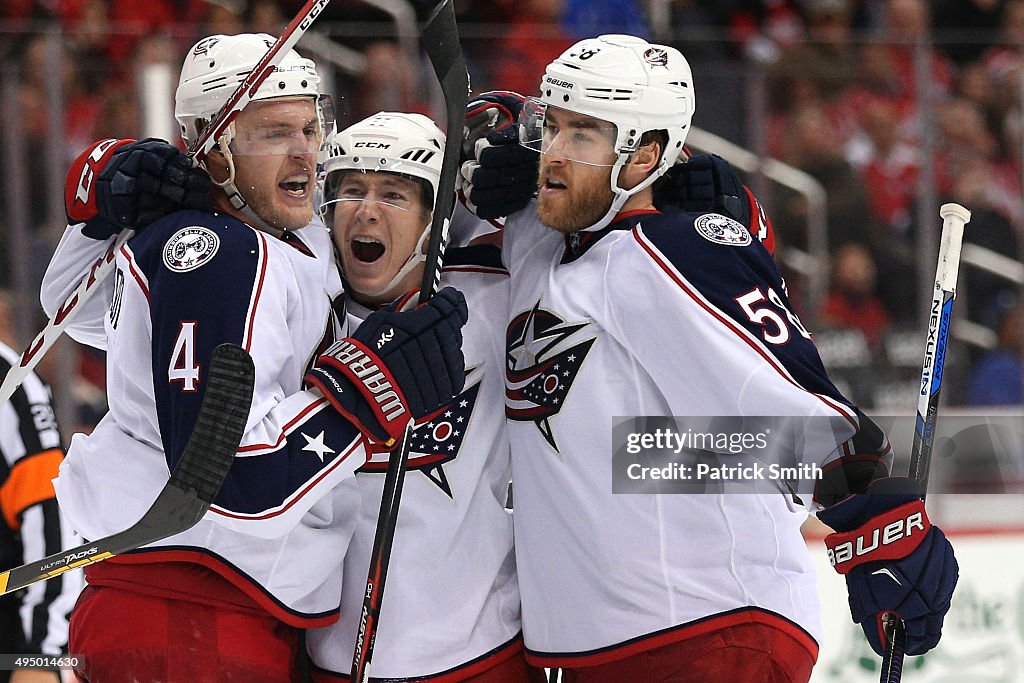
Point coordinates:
[(574, 188), (378, 220), (275, 151)]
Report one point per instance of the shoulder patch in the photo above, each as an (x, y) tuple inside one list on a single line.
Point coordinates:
[(190, 248), (715, 227)]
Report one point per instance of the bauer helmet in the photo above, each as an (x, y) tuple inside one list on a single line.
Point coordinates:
[(635, 85), (408, 145), (216, 65)]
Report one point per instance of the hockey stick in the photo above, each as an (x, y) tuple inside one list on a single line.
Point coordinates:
[(441, 42), (954, 217), (193, 484), (197, 150)]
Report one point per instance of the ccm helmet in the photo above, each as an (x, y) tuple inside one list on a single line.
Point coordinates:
[(635, 85), (409, 145)]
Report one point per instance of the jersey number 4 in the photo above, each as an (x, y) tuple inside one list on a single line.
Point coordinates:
[(774, 328), (183, 367)]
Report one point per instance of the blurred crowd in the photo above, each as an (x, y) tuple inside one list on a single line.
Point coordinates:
[(842, 84)]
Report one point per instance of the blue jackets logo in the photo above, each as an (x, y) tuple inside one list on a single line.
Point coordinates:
[(541, 364), (190, 248)]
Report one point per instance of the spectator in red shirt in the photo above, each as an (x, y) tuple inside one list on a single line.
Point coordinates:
[(852, 302)]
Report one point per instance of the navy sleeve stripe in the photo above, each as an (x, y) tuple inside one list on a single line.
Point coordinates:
[(260, 448), (483, 258), (257, 469), (742, 333)]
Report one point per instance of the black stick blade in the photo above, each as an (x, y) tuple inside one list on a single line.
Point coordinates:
[(193, 485)]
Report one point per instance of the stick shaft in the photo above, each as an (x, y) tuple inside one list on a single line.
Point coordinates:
[(441, 41), (954, 217)]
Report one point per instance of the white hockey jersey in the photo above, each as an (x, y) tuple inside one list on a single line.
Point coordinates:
[(280, 525), (451, 606), (657, 315)]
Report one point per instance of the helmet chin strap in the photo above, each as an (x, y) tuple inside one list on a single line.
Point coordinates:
[(231, 190), (622, 195), (417, 257)]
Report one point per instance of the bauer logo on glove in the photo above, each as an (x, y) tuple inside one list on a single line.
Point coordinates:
[(889, 536)]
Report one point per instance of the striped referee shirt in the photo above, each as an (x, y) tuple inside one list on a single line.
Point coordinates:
[(34, 620)]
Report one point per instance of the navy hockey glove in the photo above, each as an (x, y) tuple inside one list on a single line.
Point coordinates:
[(397, 366), (499, 176), (894, 560), (707, 183), (118, 184)]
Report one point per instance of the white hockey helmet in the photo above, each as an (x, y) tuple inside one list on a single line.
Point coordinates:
[(409, 145), (636, 85), (215, 66), (406, 144)]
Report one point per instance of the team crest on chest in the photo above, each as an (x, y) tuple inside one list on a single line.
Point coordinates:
[(437, 439), (190, 248), (715, 227), (543, 357)]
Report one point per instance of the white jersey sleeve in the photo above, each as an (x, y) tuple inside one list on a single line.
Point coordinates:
[(71, 261)]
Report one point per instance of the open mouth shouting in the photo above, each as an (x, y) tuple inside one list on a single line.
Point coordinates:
[(297, 185), (366, 249)]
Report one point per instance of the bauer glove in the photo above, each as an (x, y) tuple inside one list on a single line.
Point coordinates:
[(894, 560), (499, 176), (396, 366), (119, 184)]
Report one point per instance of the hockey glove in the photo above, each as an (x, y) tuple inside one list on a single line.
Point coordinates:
[(894, 560), (118, 184), (397, 366), (707, 183), (499, 176)]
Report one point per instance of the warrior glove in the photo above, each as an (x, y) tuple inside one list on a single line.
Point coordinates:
[(894, 560), (499, 176), (119, 184), (397, 366)]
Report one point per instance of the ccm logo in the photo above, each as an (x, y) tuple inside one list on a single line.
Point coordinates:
[(891, 533)]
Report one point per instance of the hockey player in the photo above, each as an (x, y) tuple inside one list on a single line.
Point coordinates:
[(429, 612), (224, 600), (32, 621), (619, 309), (454, 616)]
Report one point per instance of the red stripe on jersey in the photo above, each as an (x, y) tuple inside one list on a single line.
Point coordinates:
[(251, 314), (732, 325), (471, 669), (170, 573), (675, 634), (127, 253), (358, 444)]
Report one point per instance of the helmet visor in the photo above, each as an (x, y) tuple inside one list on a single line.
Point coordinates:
[(566, 134), (350, 191), (283, 127)]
